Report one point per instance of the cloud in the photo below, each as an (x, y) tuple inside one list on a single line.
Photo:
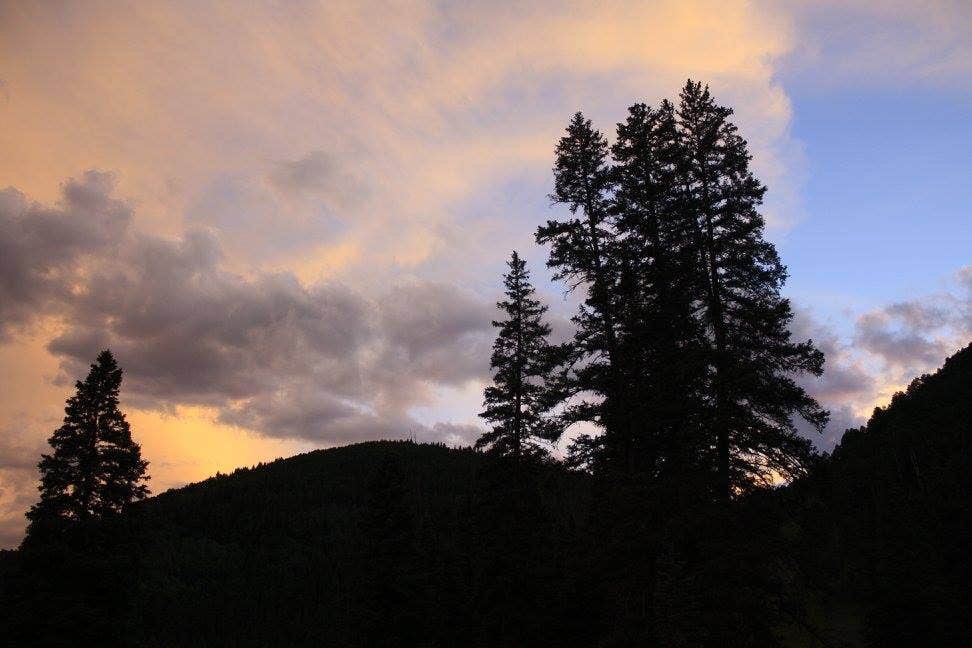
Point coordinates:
[(270, 352), (915, 335), (888, 334), (41, 248), (17, 493), (313, 182), (846, 387), (349, 138), (19, 455), (925, 42), (842, 418), (964, 280), (887, 347), (845, 378), (321, 177), (416, 319), (267, 353), (16, 452)]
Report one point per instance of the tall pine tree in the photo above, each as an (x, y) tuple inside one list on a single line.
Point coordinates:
[(659, 339), (683, 337), (581, 253), (95, 468), (738, 277), (516, 402)]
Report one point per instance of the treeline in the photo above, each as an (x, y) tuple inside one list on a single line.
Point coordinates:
[(682, 357)]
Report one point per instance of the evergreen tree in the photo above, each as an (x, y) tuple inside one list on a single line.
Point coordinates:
[(581, 249), (657, 334), (516, 402), (738, 278), (636, 349), (95, 468), (683, 338)]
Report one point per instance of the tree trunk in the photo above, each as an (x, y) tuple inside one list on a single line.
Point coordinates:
[(706, 244)]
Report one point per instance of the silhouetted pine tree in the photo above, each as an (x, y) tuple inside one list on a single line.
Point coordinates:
[(738, 280), (657, 334), (95, 468), (581, 253), (515, 403)]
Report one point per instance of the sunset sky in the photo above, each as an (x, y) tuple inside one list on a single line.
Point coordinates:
[(289, 220)]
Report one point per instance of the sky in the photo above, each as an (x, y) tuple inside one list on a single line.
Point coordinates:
[(289, 220)]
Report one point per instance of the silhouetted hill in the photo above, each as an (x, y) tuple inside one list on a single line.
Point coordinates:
[(384, 543), (387, 542), (402, 544), (889, 515)]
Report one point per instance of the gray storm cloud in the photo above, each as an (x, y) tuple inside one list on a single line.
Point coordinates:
[(272, 354), (41, 248)]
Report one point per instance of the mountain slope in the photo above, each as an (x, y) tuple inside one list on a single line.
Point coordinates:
[(380, 542), (892, 512), (395, 543)]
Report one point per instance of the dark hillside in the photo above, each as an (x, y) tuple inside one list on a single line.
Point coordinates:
[(400, 544), (384, 543), (387, 542), (890, 516)]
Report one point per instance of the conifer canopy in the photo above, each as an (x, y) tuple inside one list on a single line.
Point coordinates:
[(95, 468)]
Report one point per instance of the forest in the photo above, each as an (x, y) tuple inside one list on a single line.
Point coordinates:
[(684, 510)]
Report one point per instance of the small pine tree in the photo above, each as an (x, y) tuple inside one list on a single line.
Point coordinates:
[(516, 402), (95, 468)]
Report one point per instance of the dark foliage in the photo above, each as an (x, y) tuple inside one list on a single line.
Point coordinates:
[(662, 349), (892, 511), (517, 404), (95, 469), (739, 277), (393, 543), (581, 254), (682, 356)]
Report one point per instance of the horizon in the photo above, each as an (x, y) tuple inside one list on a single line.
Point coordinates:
[(188, 178)]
